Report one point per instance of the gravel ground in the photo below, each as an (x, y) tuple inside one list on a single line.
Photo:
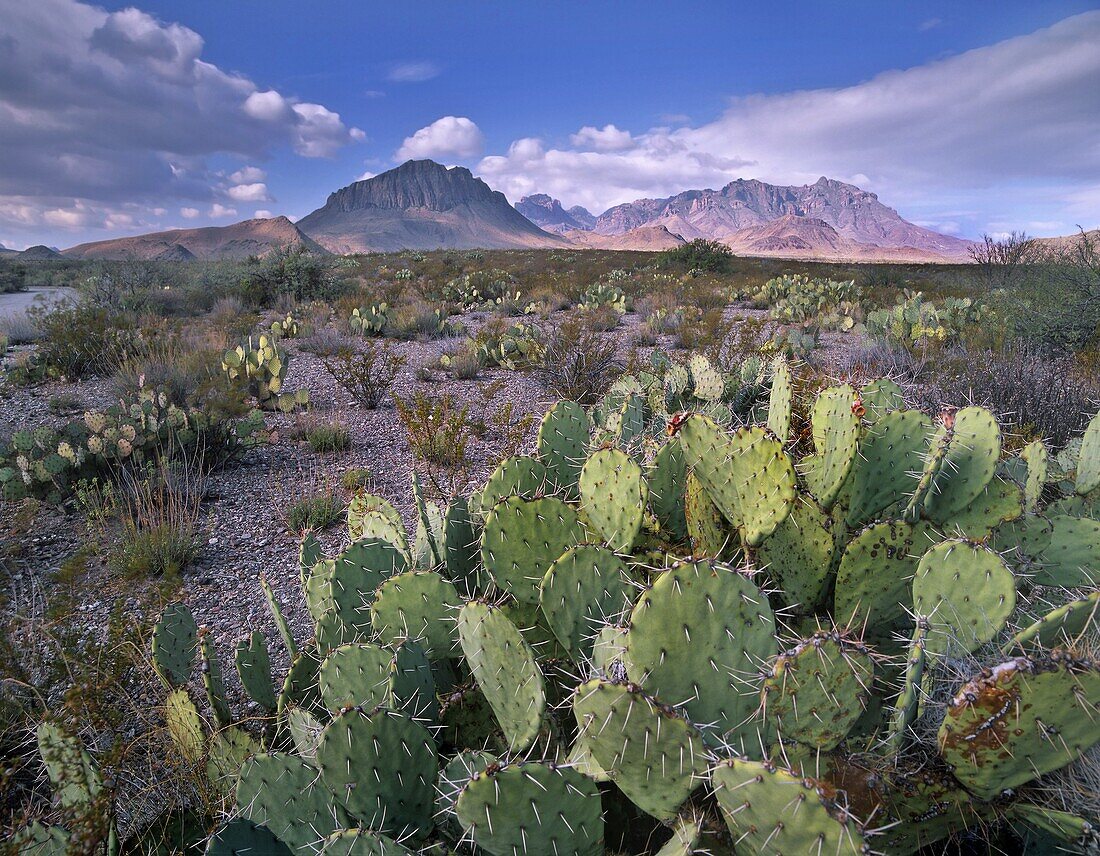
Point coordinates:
[(244, 529)]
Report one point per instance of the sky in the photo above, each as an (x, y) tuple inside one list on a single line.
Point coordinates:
[(967, 117)]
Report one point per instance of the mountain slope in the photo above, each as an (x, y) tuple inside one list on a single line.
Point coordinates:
[(238, 241), (856, 216), (647, 238), (421, 205), (547, 213)]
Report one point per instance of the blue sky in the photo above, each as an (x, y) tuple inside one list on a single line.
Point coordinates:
[(121, 121)]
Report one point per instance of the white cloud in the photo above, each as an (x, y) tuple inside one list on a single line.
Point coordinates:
[(219, 210), (605, 139), (248, 175), (451, 136), (249, 193), (263, 214), (119, 109), (189, 213), (986, 129), (364, 176), (412, 72)]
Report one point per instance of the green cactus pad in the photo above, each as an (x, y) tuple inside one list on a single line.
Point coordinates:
[(456, 774), (653, 755), (890, 453), (632, 419), (305, 731), (412, 683), (1060, 628), (418, 605), (468, 723), (797, 556), (521, 475), (907, 703), (254, 668), (362, 842), (746, 474), (242, 837), (707, 380), (667, 478), (964, 454), (229, 748), (523, 538), (461, 545), (1088, 460), (277, 616), (504, 667), (300, 685), (73, 774), (874, 580), (357, 674), (212, 679), (613, 495), (707, 529), (371, 516), (562, 438), (583, 590), (534, 809), (836, 433), (965, 592), (382, 765), (779, 399), (817, 690), (1072, 558), (309, 554), (698, 640), (185, 727), (772, 811), (881, 397), (1022, 719), (175, 641), (282, 792), (1037, 458)]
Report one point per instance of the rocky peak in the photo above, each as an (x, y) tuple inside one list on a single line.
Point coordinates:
[(415, 184)]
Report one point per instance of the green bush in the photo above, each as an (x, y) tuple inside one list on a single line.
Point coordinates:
[(366, 374), (314, 512), (328, 438), (292, 272), (698, 255)]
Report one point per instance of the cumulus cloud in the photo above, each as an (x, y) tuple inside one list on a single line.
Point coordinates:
[(412, 72), (249, 192), (451, 136), (248, 175), (189, 213), (101, 110), (605, 139), (994, 124), (219, 210), (263, 214)]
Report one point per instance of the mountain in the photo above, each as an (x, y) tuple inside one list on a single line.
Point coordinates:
[(547, 214), (647, 238), (39, 252), (856, 216), (1062, 243), (421, 205), (238, 241)]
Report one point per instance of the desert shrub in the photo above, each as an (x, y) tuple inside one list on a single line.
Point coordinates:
[(366, 374), (479, 288), (18, 329), (78, 340), (314, 512), (577, 362), (325, 342), (603, 318), (880, 359), (1037, 392), (699, 255), (510, 346), (438, 428), (465, 364), (811, 301), (13, 276), (416, 320), (293, 272), (328, 438)]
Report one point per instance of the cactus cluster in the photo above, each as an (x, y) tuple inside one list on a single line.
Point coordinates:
[(914, 320), (45, 462), (812, 301), (679, 641), (605, 294), (369, 320), (286, 328), (263, 367)]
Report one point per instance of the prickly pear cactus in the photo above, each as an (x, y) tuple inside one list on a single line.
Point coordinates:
[(562, 438), (282, 792), (532, 808), (836, 431), (613, 495), (523, 538), (1022, 719), (582, 591), (175, 641)]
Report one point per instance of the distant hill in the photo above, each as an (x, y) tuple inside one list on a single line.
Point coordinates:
[(863, 225), (421, 205), (547, 213), (647, 238), (1068, 242), (38, 253), (238, 241)]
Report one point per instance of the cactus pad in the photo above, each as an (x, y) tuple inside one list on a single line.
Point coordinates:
[(836, 432), (772, 811), (417, 605), (523, 538), (175, 641), (383, 766), (356, 674), (613, 496), (1072, 558), (779, 399), (963, 457), (1088, 459), (583, 590), (562, 438), (1061, 627), (965, 592), (667, 478), (504, 667), (817, 690), (890, 452), (242, 837), (282, 792), (362, 842), (797, 556), (698, 640), (651, 753), (254, 668), (1022, 719), (534, 809)]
